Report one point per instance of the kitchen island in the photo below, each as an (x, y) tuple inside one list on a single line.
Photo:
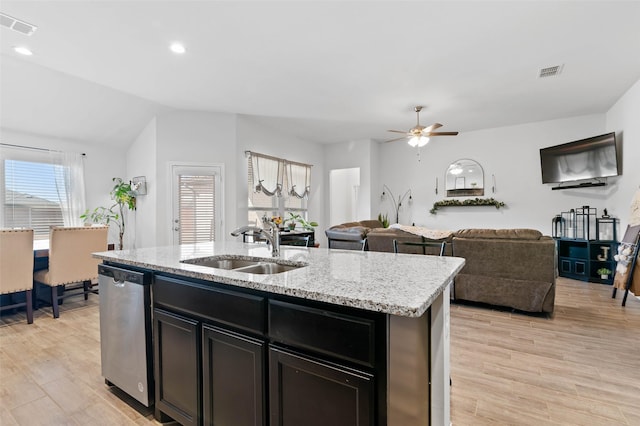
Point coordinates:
[(341, 337)]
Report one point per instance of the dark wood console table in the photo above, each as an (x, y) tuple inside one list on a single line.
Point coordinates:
[(286, 237)]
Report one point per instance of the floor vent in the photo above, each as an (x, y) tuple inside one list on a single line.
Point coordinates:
[(550, 71), (17, 25)]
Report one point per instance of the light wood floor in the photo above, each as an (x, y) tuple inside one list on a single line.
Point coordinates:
[(579, 367)]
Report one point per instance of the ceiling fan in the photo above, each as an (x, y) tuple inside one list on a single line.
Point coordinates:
[(419, 135)]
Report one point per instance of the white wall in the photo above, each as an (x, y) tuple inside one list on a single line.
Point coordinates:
[(624, 119), (355, 154), (194, 137), (509, 153), (344, 186), (211, 138), (142, 161), (254, 136), (101, 164)]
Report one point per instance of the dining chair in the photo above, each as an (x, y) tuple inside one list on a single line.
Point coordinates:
[(424, 245), (253, 237), (70, 262), (296, 240), (347, 244), (438, 248), (16, 268)]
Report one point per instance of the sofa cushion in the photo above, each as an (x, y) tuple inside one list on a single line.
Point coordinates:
[(503, 234), (525, 295), (381, 239), (354, 233), (373, 223)]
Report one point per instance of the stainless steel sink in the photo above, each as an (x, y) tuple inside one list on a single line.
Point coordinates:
[(267, 268), (221, 263), (247, 265)]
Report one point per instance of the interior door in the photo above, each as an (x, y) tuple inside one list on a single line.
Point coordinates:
[(196, 203)]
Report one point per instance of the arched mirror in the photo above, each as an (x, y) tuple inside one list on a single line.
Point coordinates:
[(464, 177)]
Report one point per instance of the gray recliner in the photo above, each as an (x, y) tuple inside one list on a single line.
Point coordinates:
[(351, 235)]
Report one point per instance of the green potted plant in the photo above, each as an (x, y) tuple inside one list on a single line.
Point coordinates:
[(296, 218), (123, 197), (604, 273), (384, 219)]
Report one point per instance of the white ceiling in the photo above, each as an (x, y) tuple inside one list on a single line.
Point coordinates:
[(330, 71)]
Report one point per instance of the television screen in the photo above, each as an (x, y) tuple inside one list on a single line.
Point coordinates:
[(590, 158)]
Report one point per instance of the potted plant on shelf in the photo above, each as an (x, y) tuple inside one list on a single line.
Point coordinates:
[(296, 218), (604, 273), (123, 197)]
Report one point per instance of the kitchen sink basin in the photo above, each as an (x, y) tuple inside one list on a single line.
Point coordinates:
[(267, 268), (247, 265), (221, 263)]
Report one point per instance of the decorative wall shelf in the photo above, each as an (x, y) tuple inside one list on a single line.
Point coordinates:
[(471, 202)]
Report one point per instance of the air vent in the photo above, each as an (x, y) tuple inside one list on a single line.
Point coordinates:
[(550, 71), (17, 25)]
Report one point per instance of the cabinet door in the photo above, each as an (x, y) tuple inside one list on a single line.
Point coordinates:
[(303, 391), (233, 386), (177, 363)]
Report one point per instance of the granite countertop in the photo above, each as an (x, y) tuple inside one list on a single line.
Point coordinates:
[(404, 284)]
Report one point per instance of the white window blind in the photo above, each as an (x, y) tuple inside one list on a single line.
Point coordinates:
[(197, 200), (31, 197)]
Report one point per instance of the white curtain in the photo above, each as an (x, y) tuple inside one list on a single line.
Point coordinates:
[(634, 215), (298, 178), (69, 178), (267, 174)]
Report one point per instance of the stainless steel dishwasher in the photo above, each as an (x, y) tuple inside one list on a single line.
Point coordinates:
[(125, 331)]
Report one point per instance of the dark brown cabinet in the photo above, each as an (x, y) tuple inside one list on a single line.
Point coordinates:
[(305, 391), (233, 385), (244, 358), (177, 372)]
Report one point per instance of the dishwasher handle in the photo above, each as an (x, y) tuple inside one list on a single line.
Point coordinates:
[(120, 275)]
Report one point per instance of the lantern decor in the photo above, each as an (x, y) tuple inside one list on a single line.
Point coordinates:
[(607, 228), (568, 220), (557, 227), (586, 223)]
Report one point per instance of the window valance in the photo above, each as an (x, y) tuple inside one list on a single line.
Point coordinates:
[(273, 175)]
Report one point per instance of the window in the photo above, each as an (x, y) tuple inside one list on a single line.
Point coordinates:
[(36, 191), (197, 202), (276, 187), (261, 204), (197, 198)]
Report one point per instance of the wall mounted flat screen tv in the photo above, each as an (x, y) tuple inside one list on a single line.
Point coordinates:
[(591, 158)]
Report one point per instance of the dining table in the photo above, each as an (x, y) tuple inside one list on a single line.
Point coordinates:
[(40, 254)]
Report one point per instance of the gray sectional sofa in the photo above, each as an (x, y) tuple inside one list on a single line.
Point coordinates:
[(505, 267)]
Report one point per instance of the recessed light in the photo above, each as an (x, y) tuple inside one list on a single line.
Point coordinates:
[(23, 50), (177, 48)]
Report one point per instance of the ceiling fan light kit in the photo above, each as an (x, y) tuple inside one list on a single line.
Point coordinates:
[(418, 136), (418, 141)]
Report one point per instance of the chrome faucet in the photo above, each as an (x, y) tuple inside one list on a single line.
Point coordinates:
[(272, 234)]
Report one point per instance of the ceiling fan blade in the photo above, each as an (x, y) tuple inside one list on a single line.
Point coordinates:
[(442, 134), (431, 128), (396, 139), (397, 131)]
